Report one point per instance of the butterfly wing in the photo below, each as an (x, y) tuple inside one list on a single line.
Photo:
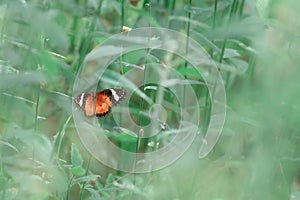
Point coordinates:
[(89, 105), (116, 95), (103, 104)]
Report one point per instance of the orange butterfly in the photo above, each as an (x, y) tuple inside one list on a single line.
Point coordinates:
[(99, 104)]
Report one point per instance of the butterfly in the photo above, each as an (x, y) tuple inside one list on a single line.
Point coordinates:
[(99, 104)]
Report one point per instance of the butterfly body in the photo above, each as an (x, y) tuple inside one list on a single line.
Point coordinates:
[(99, 104)]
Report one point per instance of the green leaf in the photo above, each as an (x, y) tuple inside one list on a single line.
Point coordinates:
[(59, 137), (76, 157), (110, 178), (21, 79), (230, 53), (78, 171), (2, 142)]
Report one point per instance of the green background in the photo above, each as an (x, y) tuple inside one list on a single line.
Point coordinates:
[(256, 47)]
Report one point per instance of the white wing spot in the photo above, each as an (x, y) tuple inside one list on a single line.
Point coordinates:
[(81, 100), (115, 95)]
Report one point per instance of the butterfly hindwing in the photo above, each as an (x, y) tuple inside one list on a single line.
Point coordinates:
[(103, 104)]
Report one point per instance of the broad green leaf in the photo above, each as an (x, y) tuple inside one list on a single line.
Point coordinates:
[(76, 157), (77, 171)]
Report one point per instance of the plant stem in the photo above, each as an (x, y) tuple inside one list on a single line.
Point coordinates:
[(241, 8), (4, 23), (69, 187), (225, 41), (59, 138), (147, 7), (188, 27), (251, 67), (207, 94), (215, 14), (73, 31), (171, 8), (86, 42), (121, 29), (83, 185), (37, 108), (122, 14)]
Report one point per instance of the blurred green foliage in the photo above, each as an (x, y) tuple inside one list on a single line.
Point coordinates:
[(255, 45)]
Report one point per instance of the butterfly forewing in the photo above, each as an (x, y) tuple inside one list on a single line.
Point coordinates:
[(116, 95), (89, 107)]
